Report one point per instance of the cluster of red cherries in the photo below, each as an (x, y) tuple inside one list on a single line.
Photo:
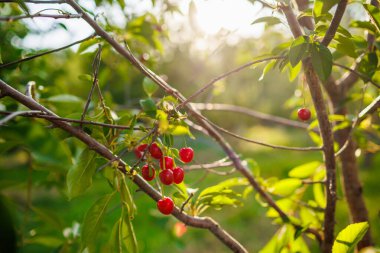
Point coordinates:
[(169, 173)]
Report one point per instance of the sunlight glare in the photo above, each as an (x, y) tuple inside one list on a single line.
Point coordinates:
[(231, 15)]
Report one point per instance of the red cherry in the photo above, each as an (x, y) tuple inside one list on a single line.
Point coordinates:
[(304, 114), (178, 175), (166, 177), (186, 154), (179, 229), (155, 151), (169, 163), (140, 150), (165, 205), (148, 172)]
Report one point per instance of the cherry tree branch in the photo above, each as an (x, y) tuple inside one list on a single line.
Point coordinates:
[(199, 222), (357, 73), (32, 114), (36, 1), (335, 22), (45, 53), (41, 15), (325, 132), (250, 112)]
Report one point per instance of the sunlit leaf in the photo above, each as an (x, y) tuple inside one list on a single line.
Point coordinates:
[(268, 20), (374, 14), (305, 170), (321, 7), (349, 237), (286, 187), (127, 199), (79, 178), (149, 86)]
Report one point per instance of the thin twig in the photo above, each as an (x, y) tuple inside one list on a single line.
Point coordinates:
[(35, 1), (186, 201), (250, 112), (260, 142), (213, 81), (45, 53), (41, 15), (95, 66), (365, 78), (15, 114), (85, 122)]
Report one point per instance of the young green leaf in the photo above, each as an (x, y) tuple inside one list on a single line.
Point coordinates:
[(349, 237), (268, 20), (127, 199), (322, 60), (298, 50), (79, 178), (321, 7), (374, 14), (128, 234), (93, 220), (286, 187), (149, 86), (148, 106), (305, 170)]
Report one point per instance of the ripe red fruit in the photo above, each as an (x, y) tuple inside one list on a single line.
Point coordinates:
[(148, 172), (165, 205), (304, 114), (169, 163), (178, 175), (166, 177), (179, 229), (139, 150), (186, 154), (155, 151)]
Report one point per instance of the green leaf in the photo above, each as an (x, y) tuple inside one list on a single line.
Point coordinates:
[(93, 220), (298, 50), (321, 7), (349, 237), (268, 20), (305, 170), (86, 45), (23, 6), (128, 234), (286, 187), (79, 178), (294, 71), (149, 86), (322, 60), (374, 14), (368, 65), (127, 199), (267, 68), (363, 25), (345, 46), (121, 3), (48, 217), (85, 77), (64, 98), (116, 238), (148, 106)]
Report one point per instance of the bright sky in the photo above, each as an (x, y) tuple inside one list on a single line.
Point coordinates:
[(211, 16)]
